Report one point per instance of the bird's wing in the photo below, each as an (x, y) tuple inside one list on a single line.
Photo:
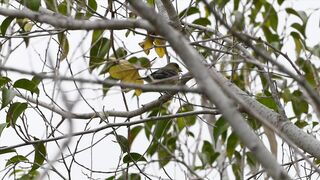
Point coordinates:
[(162, 74)]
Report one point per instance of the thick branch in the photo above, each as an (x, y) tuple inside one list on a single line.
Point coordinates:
[(303, 140), (59, 21), (193, 61)]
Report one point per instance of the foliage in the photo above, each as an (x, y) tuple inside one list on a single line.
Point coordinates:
[(73, 76)]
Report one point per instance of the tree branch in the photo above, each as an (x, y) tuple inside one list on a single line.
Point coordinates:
[(60, 21), (227, 107)]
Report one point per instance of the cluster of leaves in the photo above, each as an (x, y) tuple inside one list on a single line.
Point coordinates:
[(14, 111)]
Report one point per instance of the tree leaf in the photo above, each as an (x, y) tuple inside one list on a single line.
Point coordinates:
[(4, 80), (64, 46), (15, 110), (7, 151), (146, 44), (62, 8), (126, 72), (189, 11), (92, 7), (160, 47), (51, 5), (163, 156), (123, 143), (202, 21), (34, 5), (2, 126), (7, 96), (26, 85), (161, 128), (271, 16), (186, 120), (5, 24), (16, 159), (133, 134), (133, 157), (40, 154), (232, 144), (301, 14), (220, 127), (98, 51)]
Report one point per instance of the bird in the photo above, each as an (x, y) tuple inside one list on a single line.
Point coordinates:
[(168, 74)]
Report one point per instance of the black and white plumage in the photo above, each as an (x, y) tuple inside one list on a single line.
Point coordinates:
[(168, 74)]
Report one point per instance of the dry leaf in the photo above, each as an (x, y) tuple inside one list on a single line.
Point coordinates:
[(161, 51), (147, 44), (126, 72)]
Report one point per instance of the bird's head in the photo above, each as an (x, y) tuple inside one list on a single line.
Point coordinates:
[(173, 66)]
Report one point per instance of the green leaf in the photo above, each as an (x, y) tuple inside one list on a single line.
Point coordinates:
[(64, 46), (300, 28), (161, 128), (15, 110), (98, 52), (7, 151), (300, 14), (121, 53), (51, 5), (186, 120), (220, 127), (16, 159), (150, 2), (62, 8), (92, 7), (40, 154), (299, 105), (131, 176), (140, 62), (268, 101), (189, 11), (38, 78), (133, 133), (232, 144), (208, 155), (301, 123), (123, 143), (32, 175), (32, 4), (251, 159), (4, 80), (163, 156), (202, 21), (7, 96), (26, 85), (236, 171), (2, 126), (5, 24), (271, 37), (236, 4), (133, 157), (254, 12), (271, 17)]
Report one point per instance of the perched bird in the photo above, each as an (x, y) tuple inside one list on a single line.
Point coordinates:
[(168, 74)]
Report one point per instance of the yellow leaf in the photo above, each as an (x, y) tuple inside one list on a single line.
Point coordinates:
[(138, 92), (126, 72), (147, 44), (160, 50), (27, 27)]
